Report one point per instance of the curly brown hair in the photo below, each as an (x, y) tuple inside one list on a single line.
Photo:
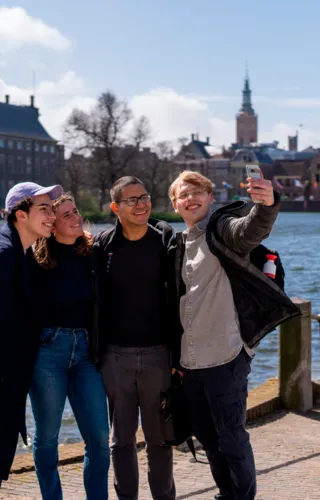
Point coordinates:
[(43, 249)]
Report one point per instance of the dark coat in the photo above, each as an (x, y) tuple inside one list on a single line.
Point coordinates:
[(232, 233), (105, 244), (18, 343)]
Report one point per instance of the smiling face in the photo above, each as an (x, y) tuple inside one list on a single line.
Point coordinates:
[(192, 202), (68, 225), (131, 209), (38, 222)]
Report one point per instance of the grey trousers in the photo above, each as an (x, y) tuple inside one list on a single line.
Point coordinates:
[(134, 378)]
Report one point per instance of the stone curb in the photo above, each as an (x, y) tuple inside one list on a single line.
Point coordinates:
[(262, 400)]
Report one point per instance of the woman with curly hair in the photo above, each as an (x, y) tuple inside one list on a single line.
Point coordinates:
[(61, 272)]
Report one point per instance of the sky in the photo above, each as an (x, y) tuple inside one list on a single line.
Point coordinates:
[(179, 62)]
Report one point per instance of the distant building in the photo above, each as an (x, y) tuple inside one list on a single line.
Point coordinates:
[(246, 120), (293, 142), (27, 151), (198, 150)]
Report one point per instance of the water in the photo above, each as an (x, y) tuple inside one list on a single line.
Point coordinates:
[(296, 236)]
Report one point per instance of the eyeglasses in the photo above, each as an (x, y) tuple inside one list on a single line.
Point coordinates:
[(197, 193), (44, 208), (132, 201)]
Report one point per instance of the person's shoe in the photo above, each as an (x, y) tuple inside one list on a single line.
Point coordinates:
[(221, 496)]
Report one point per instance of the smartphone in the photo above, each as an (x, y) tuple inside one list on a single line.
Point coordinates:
[(254, 172)]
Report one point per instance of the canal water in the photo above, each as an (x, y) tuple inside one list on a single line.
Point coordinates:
[(296, 236)]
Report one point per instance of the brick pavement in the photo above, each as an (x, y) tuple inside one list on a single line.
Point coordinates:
[(287, 451)]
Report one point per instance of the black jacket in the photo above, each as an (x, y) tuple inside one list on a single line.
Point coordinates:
[(105, 243), (18, 343), (231, 235)]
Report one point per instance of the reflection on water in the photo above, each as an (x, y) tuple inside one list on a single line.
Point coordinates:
[(296, 236)]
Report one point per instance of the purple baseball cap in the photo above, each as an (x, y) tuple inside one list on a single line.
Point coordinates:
[(25, 189)]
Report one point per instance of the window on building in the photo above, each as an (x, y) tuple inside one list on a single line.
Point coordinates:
[(2, 164), (44, 148), (20, 165), (28, 165), (1, 143), (318, 166), (11, 183), (28, 146), (37, 146), (10, 144), (52, 149), (45, 168), (20, 145), (10, 161), (37, 168), (2, 189)]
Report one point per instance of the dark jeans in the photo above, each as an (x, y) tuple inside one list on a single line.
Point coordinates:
[(134, 378), (217, 398)]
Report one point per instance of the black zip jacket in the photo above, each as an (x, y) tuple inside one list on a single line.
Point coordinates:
[(105, 244), (19, 337), (231, 235)]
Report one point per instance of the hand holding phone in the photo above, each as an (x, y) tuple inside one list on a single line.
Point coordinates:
[(254, 172), (260, 189)]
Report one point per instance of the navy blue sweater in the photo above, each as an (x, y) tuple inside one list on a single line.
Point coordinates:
[(64, 293)]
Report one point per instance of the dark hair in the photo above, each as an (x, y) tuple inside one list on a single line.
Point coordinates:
[(23, 205), (116, 190), (44, 247)]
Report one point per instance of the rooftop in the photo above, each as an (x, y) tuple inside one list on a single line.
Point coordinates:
[(22, 121)]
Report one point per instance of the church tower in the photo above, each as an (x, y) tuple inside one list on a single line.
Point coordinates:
[(247, 120)]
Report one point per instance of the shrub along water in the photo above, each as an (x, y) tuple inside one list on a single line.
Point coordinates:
[(108, 217)]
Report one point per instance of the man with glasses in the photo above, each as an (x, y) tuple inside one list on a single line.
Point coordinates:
[(29, 216), (134, 280), (226, 305)]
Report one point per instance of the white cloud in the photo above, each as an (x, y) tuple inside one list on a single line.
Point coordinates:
[(18, 28), (281, 131), (55, 99), (287, 102), (171, 115)]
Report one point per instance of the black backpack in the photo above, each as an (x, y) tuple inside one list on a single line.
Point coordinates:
[(258, 257)]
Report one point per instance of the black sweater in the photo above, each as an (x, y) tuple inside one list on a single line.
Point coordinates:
[(64, 293)]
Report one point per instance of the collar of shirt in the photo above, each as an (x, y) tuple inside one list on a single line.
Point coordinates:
[(199, 228)]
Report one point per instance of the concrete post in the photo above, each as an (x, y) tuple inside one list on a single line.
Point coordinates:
[(295, 360)]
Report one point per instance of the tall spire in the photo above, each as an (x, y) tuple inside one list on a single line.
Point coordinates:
[(246, 94)]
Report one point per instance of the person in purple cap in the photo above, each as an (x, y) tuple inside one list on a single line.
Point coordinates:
[(28, 210)]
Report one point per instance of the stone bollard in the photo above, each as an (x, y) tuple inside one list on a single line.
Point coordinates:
[(295, 360)]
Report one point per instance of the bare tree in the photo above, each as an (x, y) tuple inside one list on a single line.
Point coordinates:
[(73, 175), (157, 174), (102, 134)]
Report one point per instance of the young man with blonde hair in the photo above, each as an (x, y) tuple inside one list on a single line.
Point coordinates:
[(226, 306)]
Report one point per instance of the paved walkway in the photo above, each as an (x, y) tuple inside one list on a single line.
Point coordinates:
[(287, 452)]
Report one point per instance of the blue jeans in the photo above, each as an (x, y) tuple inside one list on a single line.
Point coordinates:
[(217, 402), (63, 369)]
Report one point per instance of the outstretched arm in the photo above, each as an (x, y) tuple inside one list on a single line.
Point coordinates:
[(243, 234)]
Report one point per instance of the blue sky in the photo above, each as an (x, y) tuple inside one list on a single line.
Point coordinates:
[(180, 62)]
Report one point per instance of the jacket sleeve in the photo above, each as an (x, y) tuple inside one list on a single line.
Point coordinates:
[(243, 234), (7, 263)]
